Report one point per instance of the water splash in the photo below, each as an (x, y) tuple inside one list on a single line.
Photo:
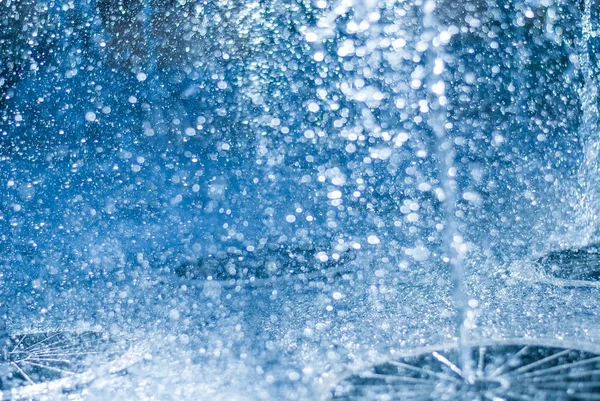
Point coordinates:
[(588, 132), (445, 154)]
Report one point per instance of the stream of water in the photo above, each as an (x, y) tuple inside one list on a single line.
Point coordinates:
[(445, 153), (588, 131)]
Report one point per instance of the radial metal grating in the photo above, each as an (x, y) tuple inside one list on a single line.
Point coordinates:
[(32, 363), (509, 371)]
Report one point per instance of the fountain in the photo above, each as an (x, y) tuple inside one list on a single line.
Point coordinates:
[(509, 369), (298, 199), (577, 265)]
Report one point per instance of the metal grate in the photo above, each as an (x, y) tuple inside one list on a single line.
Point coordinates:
[(31, 361), (500, 371), (580, 264)]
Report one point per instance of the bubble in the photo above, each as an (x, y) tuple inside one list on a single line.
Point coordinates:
[(311, 37), (334, 194), (174, 314), (322, 256), (373, 240), (90, 116)]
